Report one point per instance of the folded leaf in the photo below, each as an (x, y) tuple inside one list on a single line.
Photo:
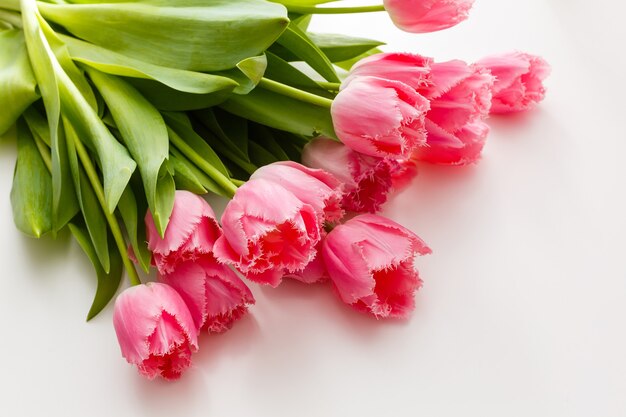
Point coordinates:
[(18, 86), (195, 35), (299, 44), (88, 201), (108, 283), (31, 193), (145, 135), (135, 227)]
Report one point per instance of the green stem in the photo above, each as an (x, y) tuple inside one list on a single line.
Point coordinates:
[(289, 91), (329, 86), (13, 18), (113, 224), (334, 10), (237, 182), (44, 151), (201, 163)]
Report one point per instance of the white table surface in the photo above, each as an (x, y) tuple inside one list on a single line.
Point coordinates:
[(524, 304)]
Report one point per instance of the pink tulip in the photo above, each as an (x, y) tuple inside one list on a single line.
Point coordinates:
[(315, 271), (379, 117), (315, 187), (367, 180), (214, 294), (370, 262), (460, 98), (268, 232), (519, 80), (459, 95), (155, 330), (190, 233), (422, 16)]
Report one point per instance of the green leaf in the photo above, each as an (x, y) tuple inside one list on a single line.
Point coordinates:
[(340, 47), (282, 71), (110, 62), (58, 91), (248, 73), (135, 227), (67, 204), (145, 135), (88, 201), (18, 85), (299, 44), (31, 193), (302, 2), (108, 283), (168, 99), (184, 175), (196, 35), (281, 112)]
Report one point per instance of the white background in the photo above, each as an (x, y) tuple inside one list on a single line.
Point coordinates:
[(524, 304)]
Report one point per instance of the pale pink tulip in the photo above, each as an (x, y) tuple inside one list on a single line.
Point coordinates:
[(268, 232), (460, 98), (214, 294), (411, 69), (380, 117), (315, 187), (422, 16), (190, 233), (370, 261), (155, 330), (367, 180), (315, 271), (519, 80)]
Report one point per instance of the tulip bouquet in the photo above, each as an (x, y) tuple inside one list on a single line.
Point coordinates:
[(118, 115)]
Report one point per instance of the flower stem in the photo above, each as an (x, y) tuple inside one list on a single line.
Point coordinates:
[(113, 224), (334, 10), (289, 91), (201, 163), (329, 86)]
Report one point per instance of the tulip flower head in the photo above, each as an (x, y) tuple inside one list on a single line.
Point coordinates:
[(268, 232), (379, 117), (519, 80), (370, 262), (190, 233), (422, 16), (215, 295), (155, 330)]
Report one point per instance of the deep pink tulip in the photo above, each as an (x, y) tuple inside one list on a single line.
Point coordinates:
[(459, 95), (422, 16), (519, 80), (155, 330), (214, 294), (380, 117), (367, 180), (190, 233), (315, 187), (370, 261), (460, 98), (268, 232)]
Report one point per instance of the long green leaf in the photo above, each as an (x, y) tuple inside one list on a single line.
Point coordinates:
[(18, 86), (114, 63), (67, 205), (192, 176), (88, 201), (340, 47), (31, 193), (299, 44), (108, 283), (135, 227), (282, 71), (184, 176), (58, 91), (281, 112), (195, 35), (145, 135)]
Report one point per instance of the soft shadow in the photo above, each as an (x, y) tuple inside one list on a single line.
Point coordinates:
[(501, 124), (46, 251)]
